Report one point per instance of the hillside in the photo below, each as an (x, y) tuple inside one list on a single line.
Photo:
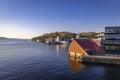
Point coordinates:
[(1, 38), (64, 35)]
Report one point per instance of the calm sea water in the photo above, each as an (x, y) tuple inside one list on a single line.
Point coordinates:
[(25, 60)]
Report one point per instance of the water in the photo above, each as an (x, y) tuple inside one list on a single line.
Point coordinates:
[(26, 60)]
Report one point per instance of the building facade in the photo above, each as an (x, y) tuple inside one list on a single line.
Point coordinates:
[(112, 40)]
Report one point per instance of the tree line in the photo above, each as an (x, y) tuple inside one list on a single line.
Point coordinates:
[(64, 35)]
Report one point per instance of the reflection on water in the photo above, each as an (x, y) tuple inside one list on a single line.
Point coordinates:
[(75, 65), (57, 47), (60, 48)]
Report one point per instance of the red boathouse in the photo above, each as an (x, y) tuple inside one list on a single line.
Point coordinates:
[(80, 47)]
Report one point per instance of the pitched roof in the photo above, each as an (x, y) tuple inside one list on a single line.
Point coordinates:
[(88, 45)]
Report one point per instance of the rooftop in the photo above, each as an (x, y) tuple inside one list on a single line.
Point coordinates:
[(88, 45)]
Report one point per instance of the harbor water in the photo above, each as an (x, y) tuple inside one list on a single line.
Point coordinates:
[(26, 60)]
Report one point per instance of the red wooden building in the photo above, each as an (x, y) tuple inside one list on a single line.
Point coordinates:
[(84, 47)]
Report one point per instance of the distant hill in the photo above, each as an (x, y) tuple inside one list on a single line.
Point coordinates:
[(64, 35), (1, 38), (4, 38)]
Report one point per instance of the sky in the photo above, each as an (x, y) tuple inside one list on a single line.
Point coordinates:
[(29, 18)]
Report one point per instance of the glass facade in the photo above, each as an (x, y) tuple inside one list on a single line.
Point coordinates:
[(112, 40), (112, 29), (112, 47), (112, 35), (112, 52)]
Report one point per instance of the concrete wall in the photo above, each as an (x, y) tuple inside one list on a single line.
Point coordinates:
[(102, 59), (95, 59)]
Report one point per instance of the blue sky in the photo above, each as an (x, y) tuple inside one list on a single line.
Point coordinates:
[(29, 18)]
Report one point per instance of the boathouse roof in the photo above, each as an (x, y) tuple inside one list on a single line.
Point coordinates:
[(88, 45)]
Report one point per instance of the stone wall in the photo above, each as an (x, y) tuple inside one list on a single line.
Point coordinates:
[(102, 59)]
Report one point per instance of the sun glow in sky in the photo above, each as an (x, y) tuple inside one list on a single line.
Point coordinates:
[(29, 18)]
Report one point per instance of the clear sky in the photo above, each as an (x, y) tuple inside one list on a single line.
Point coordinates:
[(29, 18)]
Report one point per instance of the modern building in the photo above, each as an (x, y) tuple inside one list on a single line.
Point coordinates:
[(112, 40), (80, 47)]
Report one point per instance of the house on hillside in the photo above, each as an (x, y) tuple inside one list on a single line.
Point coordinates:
[(80, 47)]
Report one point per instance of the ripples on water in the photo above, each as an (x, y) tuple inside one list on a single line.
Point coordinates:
[(25, 60)]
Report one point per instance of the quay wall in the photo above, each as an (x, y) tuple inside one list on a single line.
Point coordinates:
[(95, 59), (102, 59)]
